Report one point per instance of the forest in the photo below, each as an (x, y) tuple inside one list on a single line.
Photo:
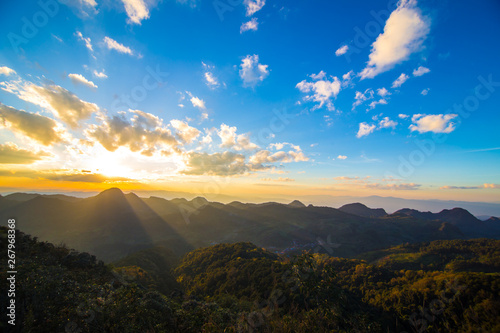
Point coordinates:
[(437, 286)]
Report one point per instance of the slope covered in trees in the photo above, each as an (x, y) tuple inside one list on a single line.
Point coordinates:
[(441, 286)]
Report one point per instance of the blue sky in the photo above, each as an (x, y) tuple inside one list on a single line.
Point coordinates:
[(305, 97)]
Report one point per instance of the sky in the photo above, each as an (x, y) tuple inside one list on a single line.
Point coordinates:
[(252, 98)]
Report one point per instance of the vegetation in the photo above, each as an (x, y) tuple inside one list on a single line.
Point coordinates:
[(439, 286)]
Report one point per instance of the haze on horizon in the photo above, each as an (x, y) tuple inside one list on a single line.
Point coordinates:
[(261, 99)]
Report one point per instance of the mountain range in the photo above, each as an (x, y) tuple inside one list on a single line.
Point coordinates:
[(113, 224)]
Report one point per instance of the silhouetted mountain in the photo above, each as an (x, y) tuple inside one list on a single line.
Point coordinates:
[(113, 224), (361, 210), (296, 204)]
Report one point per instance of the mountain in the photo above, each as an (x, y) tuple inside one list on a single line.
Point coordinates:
[(114, 225), (361, 210), (296, 204)]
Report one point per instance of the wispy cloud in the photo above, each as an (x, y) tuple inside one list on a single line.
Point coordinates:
[(80, 79), (112, 44)]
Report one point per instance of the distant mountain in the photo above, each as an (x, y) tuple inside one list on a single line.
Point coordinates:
[(361, 210), (113, 224), (296, 204)]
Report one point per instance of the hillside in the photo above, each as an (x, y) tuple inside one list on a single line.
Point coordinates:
[(243, 288), (113, 224)]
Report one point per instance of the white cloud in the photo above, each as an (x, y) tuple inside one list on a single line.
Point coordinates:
[(425, 92), (80, 79), (347, 78), (436, 123), (400, 80), (342, 50), (387, 123), (320, 76), (323, 90), (137, 10), (342, 157), (382, 92), (210, 79), (403, 116), (197, 102), (6, 71), (87, 41), (252, 72), (253, 25), (421, 71), (365, 129), (360, 97), (253, 6), (100, 75), (112, 44), (184, 132), (374, 104), (231, 140), (404, 33)]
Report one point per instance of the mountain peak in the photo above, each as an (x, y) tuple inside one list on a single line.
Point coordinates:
[(360, 209), (296, 204)]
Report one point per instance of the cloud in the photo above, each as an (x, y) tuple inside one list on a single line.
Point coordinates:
[(253, 6), (421, 71), (12, 154), (84, 8), (360, 97), (323, 90), (387, 123), (80, 79), (144, 132), (210, 79), (346, 178), (403, 116), (265, 156), (112, 44), (382, 92), (397, 187), (197, 102), (252, 72), (184, 132), (374, 104), (100, 75), (217, 164), (231, 140), (342, 50), (425, 92), (436, 123), (137, 10), (495, 186), (280, 179), (253, 25), (342, 157), (320, 76), (87, 41), (365, 129), (6, 71), (39, 128), (64, 175), (404, 33), (62, 103), (347, 78), (459, 187), (400, 80)]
